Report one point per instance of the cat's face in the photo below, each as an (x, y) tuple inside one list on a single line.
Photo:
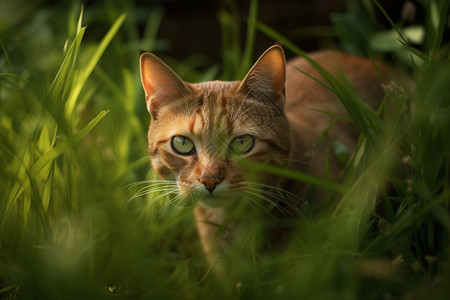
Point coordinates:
[(198, 132)]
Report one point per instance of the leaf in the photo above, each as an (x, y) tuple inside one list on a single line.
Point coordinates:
[(415, 34), (390, 40), (341, 152), (351, 30)]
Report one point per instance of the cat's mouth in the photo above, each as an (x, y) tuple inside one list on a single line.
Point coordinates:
[(221, 196), (217, 199)]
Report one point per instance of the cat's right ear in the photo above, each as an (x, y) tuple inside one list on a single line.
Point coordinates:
[(161, 84)]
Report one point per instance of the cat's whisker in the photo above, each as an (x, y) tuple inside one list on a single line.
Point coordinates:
[(283, 191), (278, 206), (162, 188), (168, 203), (252, 200), (275, 191), (134, 184), (174, 183), (159, 197), (283, 210), (146, 191), (156, 186), (193, 200), (150, 181), (274, 195)]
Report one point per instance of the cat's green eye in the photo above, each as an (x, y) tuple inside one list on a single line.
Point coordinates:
[(242, 144), (182, 145)]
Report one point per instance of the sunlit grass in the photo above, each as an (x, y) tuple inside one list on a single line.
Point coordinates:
[(75, 221)]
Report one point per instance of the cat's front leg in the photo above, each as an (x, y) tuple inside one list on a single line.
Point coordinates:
[(215, 236)]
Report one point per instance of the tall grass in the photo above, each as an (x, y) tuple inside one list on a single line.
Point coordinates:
[(73, 156)]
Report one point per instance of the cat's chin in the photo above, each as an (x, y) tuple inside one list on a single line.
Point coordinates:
[(209, 201), (212, 201), (216, 201)]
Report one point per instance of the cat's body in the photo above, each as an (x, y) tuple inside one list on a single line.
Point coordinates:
[(199, 131), (307, 100)]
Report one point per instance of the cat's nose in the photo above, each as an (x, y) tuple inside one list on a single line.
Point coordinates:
[(210, 182)]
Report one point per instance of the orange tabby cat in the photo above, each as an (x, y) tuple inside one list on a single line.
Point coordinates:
[(198, 132)]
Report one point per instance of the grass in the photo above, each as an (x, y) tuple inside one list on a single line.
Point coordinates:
[(73, 155)]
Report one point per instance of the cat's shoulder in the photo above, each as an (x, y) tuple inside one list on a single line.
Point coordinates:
[(336, 62), (328, 58)]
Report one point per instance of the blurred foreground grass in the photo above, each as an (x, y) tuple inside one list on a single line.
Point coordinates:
[(73, 154)]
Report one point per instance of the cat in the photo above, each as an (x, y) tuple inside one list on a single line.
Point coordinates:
[(200, 131)]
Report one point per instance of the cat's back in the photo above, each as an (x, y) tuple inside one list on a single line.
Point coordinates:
[(305, 95), (365, 75), (307, 100)]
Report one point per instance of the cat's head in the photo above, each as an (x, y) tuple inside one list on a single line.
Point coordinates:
[(199, 131)]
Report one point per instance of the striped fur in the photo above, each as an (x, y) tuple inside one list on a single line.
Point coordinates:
[(212, 115)]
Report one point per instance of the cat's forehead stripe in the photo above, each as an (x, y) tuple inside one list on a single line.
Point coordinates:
[(209, 119)]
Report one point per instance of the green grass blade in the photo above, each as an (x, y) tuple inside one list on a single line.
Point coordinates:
[(386, 15), (316, 80), (5, 53), (64, 71), (437, 11), (247, 59), (20, 184), (80, 19), (90, 65), (65, 145), (296, 175)]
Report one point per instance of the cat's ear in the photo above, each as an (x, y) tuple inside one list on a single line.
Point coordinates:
[(161, 84), (267, 77)]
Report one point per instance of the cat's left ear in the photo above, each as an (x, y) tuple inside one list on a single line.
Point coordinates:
[(267, 77)]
